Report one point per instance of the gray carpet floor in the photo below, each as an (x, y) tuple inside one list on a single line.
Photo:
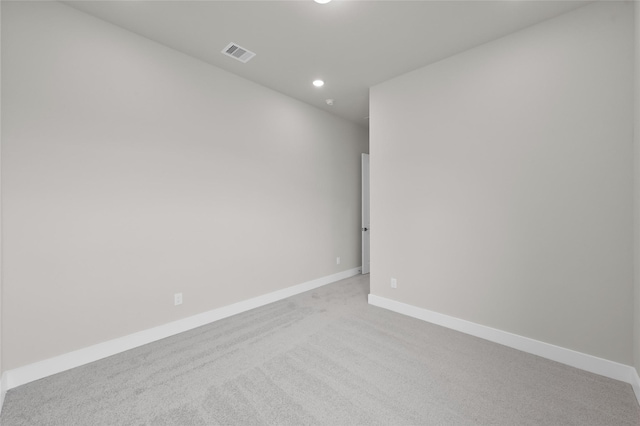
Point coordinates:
[(322, 357)]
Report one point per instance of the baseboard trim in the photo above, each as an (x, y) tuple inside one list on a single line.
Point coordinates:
[(566, 356), (38, 370)]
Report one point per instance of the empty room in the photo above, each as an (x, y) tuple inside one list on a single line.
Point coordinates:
[(340, 212)]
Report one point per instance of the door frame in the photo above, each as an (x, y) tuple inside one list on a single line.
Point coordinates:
[(365, 217)]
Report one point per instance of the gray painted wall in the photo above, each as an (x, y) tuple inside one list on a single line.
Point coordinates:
[(1, 367), (502, 179), (636, 191), (132, 172)]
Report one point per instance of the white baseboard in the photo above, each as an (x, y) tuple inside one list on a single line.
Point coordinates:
[(38, 370), (603, 367)]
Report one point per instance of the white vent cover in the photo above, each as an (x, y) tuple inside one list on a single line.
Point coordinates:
[(237, 52)]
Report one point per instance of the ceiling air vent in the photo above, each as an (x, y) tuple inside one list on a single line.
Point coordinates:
[(237, 52)]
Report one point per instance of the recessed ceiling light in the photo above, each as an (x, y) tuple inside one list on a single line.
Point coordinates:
[(322, 1), (318, 83)]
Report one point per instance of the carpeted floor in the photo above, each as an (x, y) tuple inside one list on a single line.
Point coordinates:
[(323, 357)]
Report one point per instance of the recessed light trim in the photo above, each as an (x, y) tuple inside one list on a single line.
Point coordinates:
[(322, 1), (318, 83)]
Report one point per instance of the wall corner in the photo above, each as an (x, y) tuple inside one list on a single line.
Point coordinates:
[(636, 190)]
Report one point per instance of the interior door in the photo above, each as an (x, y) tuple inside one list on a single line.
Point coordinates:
[(365, 214)]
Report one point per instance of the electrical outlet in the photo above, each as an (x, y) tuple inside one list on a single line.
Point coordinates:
[(394, 283), (177, 299), (338, 260)]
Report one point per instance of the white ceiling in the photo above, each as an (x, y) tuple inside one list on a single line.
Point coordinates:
[(352, 45)]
